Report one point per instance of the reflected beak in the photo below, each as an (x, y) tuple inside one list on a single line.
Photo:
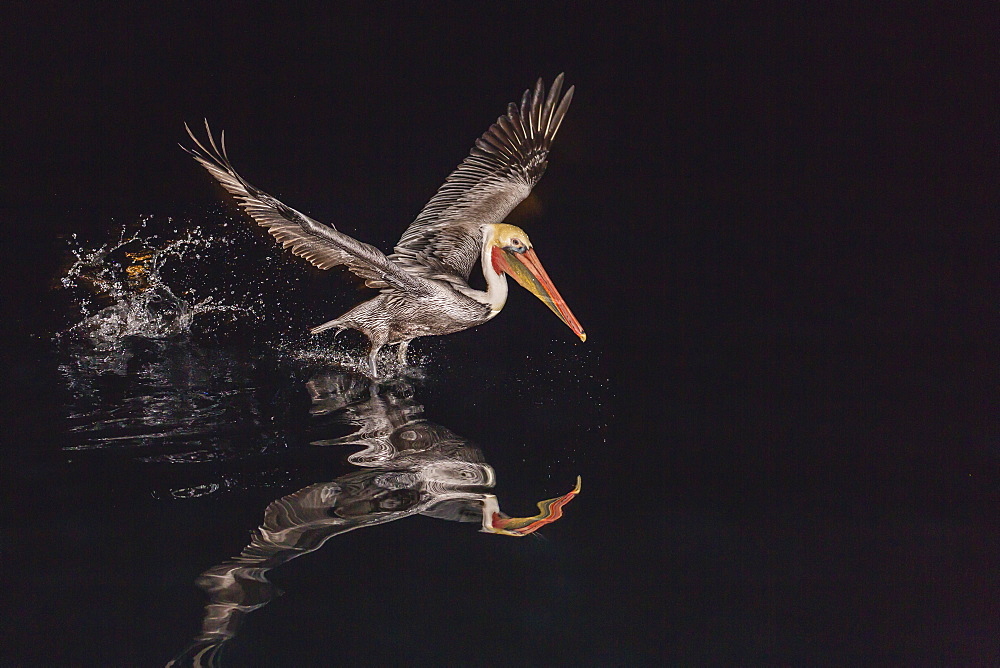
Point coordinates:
[(526, 269), (551, 510)]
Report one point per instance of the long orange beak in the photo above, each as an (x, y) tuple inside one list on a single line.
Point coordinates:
[(527, 270)]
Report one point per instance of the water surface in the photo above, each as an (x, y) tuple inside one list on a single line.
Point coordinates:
[(196, 480)]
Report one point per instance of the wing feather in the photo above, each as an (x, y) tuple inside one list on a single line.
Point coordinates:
[(503, 166), (322, 245)]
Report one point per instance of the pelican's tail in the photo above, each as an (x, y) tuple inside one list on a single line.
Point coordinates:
[(336, 323)]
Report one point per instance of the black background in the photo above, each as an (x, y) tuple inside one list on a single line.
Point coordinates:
[(777, 224)]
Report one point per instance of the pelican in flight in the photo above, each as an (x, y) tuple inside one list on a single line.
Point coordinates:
[(424, 283)]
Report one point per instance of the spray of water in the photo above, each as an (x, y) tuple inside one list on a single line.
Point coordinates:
[(122, 292), (348, 354)]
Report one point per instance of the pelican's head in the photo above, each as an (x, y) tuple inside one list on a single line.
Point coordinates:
[(511, 253)]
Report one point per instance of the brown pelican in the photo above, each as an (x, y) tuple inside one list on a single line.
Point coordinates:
[(424, 282)]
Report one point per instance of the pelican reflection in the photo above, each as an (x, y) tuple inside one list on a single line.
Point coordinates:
[(410, 466)]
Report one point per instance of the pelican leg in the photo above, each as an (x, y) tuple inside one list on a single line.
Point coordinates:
[(373, 359), (401, 352)]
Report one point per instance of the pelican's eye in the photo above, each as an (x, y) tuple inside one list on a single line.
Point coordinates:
[(516, 246)]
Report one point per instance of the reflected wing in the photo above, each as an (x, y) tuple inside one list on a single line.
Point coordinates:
[(501, 170), (322, 245)]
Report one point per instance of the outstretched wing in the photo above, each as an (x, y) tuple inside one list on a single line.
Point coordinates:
[(501, 170), (321, 244)]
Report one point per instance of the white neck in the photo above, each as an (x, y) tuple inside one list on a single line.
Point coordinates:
[(496, 283), (495, 295)]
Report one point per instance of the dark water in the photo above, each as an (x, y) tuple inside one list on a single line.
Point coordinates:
[(218, 497), (159, 458)]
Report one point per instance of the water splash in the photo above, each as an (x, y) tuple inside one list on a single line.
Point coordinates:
[(122, 291), (340, 352)]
